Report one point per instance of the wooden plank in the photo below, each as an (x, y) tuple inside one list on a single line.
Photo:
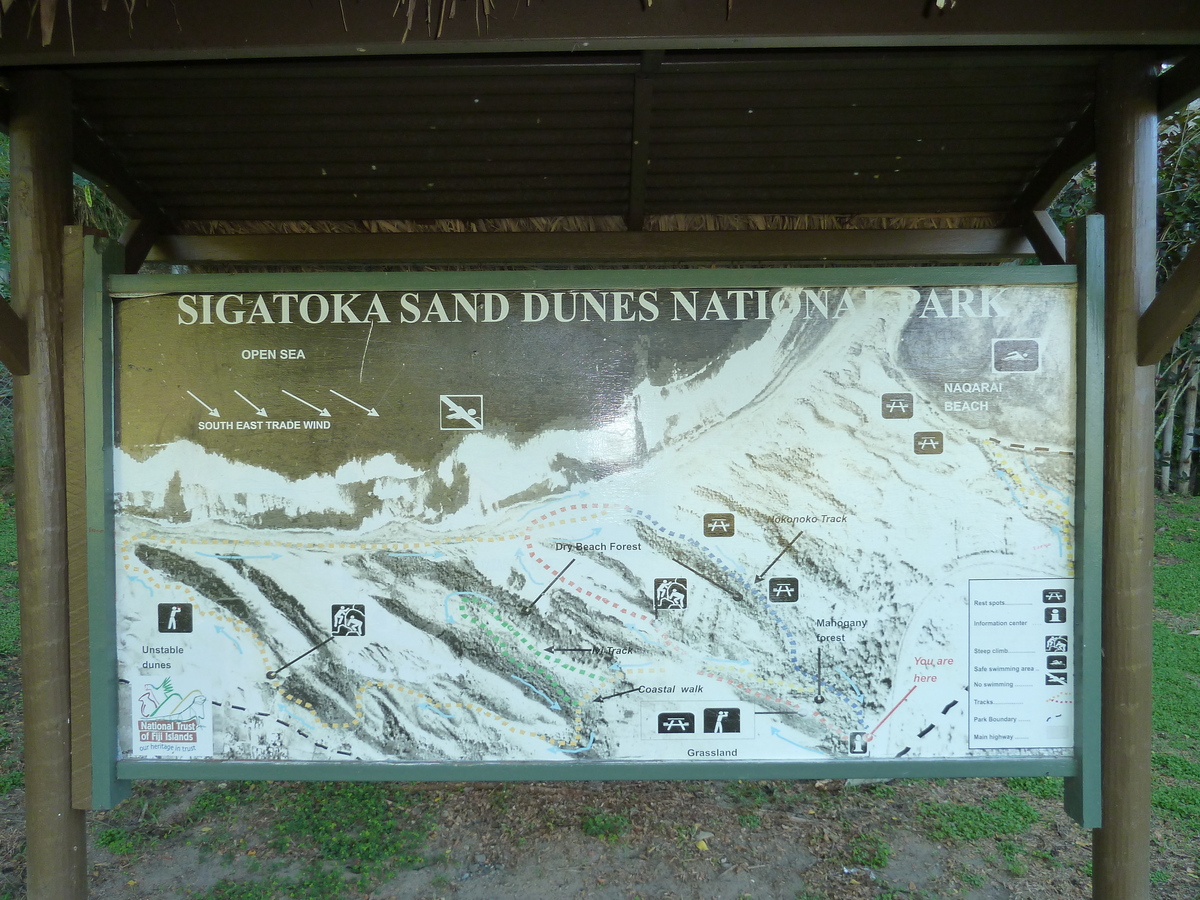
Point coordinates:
[(398, 142), (1046, 238), (423, 182), (1173, 310), (14, 341), (1072, 154), (1021, 116), (901, 205), (419, 181), (1082, 793), (516, 96), (242, 204), (398, 123), (77, 537), (1180, 85), (98, 165), (225, 29), (599, 247), (602, 70), (40, 207), (483, 161), (466, 102), (137, 240), (375, 148), (1127, 144), (639, 140)]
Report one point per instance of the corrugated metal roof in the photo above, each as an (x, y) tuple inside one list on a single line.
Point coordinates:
[(907, 131)]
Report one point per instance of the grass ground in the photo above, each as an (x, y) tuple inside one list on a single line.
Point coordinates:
[(919, 840)]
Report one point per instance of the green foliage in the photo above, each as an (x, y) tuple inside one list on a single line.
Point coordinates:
[(971, 879), (1178, 190), (1176, 587), (1178, 187), (609, 826), (1179, 801), (749, 820), (314, 883), (1176, 682), (960, 823), (1176, 766), (10, 610), (6, 412), (92, 208), (869, 851), (11, 780), (221, 800), (1045, 788), (119, 841), (361, 825), (749, 793), (1011, 852)]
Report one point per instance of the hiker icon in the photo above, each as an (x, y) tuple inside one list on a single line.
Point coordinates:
[(349, 619), (175, 618), (723, 721), (670, 593)]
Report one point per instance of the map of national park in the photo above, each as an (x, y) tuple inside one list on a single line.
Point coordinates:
[(809, 521)]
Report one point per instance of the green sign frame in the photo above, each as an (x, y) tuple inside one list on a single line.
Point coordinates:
[(112, 774)]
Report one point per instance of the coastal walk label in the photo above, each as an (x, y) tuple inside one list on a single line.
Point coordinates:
[(438, 520)]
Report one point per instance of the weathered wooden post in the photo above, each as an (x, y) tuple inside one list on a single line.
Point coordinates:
[(40, 129), (1126, 144)]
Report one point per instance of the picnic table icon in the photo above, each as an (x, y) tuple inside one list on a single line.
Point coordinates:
[(461, 412)]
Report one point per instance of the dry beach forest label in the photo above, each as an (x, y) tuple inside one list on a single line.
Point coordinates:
[(803, 522)]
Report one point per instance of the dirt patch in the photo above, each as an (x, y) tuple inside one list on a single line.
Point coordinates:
[(736, 840)]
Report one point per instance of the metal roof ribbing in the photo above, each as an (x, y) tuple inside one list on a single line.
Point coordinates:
[(773, 131)]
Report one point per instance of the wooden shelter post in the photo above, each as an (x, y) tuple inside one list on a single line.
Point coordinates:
[(40, 208), (1126, 150)]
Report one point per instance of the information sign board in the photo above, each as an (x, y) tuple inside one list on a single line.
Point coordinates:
[(587, 524)]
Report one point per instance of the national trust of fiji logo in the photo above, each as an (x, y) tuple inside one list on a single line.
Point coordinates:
[(165, 716)]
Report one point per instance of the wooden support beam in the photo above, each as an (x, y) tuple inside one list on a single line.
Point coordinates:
[(1126, 146), (1074, 152), (639, 150), (96, 163), (77, 535), (138, 240), (1173, 310), (1180, 85), (40, 208), (601, 247), (1049, 242), (14, 341)]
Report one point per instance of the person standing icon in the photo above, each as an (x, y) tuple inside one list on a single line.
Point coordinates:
[(172, 625)]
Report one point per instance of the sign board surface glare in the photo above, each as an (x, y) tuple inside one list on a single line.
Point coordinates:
[(653, 523)]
